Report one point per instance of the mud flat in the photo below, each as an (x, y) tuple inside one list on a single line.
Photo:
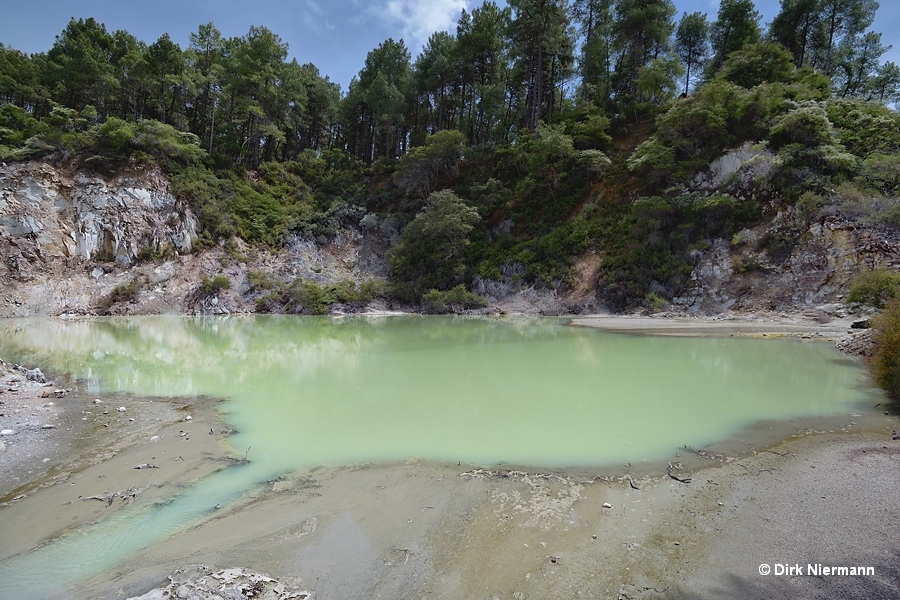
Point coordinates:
[(416, 529)]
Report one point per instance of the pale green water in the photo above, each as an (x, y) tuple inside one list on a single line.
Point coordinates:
[(319, 391)]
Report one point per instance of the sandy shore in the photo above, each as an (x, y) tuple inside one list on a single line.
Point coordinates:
[(826, 496), (729, 327)]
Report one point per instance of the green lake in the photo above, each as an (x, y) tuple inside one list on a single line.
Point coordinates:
[(307, 391)]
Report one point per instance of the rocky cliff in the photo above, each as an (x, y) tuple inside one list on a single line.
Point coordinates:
[(75, 243)]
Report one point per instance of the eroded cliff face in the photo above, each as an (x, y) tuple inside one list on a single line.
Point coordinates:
[(788, 263), (62, 231), (51, 214), (75, 243), (738, 274)]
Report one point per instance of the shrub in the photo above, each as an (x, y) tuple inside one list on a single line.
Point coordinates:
[(457, 298), (210, 287), (655, 303), (884, 364), (126, 292), (875, 288)]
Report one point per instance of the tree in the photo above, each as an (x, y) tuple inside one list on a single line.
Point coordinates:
[(595, 21), (692, 45), (376, 105), (165, 67), (80, 70), (857, 62), (207, 50), (794, 26), (840, 21), (430, 252), (736, 24), (544, 52), (258, 106), (825, 34), (17, 78), (641, 32), (436, 75), (482, 58), (422, 166), (884, 87)]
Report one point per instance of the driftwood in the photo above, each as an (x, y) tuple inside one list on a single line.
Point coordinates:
[(631, 482), (673, 467)]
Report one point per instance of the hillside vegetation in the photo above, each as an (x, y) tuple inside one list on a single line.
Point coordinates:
[(480, 160)]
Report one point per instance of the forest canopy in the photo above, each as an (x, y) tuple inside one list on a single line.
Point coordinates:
[(557, 126)]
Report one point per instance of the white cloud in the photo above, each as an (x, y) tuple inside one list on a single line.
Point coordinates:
[(418, 19), (314, 7)]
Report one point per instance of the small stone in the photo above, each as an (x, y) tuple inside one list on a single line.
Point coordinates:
[(607, 505), (121, 409), (46, 460), (188, 418), (8, 432), (132, 420), (48, 426), (155, 438), (677, 543), (60, 393), (45, 394), (98, 401)]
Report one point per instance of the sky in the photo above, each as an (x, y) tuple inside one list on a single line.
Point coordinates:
[(334, 35)]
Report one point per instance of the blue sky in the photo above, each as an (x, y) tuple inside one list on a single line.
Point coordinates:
[(335, 35)]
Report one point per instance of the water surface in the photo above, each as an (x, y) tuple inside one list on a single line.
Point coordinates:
[(324, 391)]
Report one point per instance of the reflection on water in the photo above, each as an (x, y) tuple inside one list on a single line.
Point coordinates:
[(316, 391)]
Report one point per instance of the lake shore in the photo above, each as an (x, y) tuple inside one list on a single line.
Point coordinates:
[(734, 326), (418, 529)]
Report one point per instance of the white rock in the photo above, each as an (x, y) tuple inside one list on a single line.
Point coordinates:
[(607, 505), (188, 418), (121, 409), (46, 460), (98, 401), (8, 432), (155, 438)]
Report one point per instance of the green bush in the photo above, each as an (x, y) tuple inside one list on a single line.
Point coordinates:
[(457, 298), (126, 292), (211, 287), (884, 364), (307, 297), (875, 288), (655, 303)]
